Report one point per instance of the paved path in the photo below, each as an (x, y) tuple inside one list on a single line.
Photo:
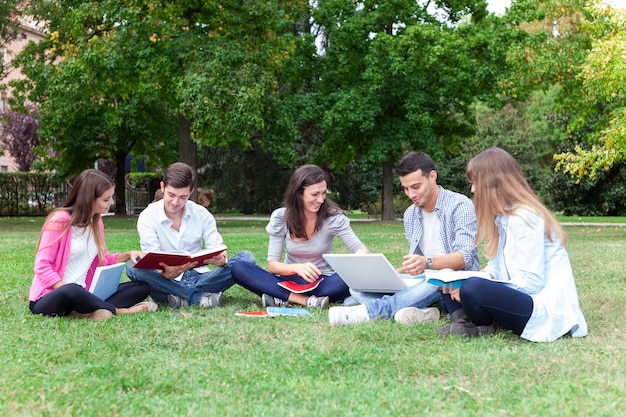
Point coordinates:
[(266, 218)]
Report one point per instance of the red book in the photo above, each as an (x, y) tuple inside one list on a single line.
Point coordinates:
[(263, 313), (300, 288), (152, 259)]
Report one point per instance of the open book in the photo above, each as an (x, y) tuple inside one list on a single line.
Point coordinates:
[(106, 279), (275, 311), (300, 288), (152, 259), (449, 277)]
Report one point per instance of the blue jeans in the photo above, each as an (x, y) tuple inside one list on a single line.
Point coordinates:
[(193, 284), (486, 302), (385, 306), (260, 281)]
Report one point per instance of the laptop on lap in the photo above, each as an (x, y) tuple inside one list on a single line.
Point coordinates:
[(370, 272)]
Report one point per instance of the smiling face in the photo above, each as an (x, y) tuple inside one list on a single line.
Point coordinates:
[(174, 199), (103, 203), (421, 189), (313, 196)]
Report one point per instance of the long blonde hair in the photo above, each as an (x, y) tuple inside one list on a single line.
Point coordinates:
[(500, 188), (87, 187)]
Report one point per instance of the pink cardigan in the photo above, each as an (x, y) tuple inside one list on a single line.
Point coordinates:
[(53, 253)]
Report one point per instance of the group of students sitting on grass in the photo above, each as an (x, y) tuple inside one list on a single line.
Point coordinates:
[(531, 290)]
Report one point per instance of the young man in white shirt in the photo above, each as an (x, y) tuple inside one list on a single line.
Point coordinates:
[(177, 225)]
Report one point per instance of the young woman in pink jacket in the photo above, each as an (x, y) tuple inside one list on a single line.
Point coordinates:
[(71, 246)]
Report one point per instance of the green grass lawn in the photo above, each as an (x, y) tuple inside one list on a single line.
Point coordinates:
[(194, 361)]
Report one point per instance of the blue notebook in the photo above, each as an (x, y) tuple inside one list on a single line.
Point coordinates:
[(106, 279), (286, 311)]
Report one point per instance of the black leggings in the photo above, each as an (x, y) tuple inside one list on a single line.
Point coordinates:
[(72, 297)]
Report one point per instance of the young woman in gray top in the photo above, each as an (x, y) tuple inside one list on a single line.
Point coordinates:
[(304, 229)]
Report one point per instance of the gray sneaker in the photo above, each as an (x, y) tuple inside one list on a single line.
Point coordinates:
[(210, 300), (176, 301), (468, 329), (269, 301), (319, 302)]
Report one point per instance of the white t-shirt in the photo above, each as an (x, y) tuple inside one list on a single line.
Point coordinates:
[(83, 250), (431, 243)]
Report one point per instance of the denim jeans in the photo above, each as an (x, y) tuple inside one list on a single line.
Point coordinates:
[(385, 306), (193, 284), (486, 301), (260, 281)]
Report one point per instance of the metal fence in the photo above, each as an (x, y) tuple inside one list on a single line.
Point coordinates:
[(28, 194), (33, 194), (136, 199)]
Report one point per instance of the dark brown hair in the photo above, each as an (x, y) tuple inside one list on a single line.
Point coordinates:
[(414, 161), (180, 175), (303, 177)]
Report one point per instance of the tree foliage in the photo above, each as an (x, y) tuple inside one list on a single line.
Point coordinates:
[(394, 76), (602, 76), (8, 27), (525, 130), (579, 46), (119, 76), (19, 136)]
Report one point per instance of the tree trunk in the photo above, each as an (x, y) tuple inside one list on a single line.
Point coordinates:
[(388, 209), (120, 183), (187, 151)]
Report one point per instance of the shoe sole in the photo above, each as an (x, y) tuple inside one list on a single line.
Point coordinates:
[(410, 315)]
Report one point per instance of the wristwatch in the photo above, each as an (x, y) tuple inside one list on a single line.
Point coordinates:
[(429, 263)]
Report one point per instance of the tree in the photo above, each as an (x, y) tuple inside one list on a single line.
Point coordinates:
[(8, 28), (577, 45), (602, 76), (525, 130), (152, 77), (395, 77), (18, 135), (96, 98)]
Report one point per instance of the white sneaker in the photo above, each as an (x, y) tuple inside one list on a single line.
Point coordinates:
[(412, 315), (345, 316)]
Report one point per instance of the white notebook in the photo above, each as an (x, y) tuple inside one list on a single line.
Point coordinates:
[(106, 279)]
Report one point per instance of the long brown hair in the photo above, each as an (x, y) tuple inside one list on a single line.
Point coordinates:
[(500, 188), (294, 213), (87, 187)]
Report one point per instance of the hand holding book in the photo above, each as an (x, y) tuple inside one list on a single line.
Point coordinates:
[(153, 260), (451, 279)]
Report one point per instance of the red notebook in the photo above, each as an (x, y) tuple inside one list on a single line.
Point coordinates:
[(153, 259), (300, 288), (253, 314)]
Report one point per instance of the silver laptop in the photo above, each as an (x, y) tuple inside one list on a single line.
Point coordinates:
[(369, 272)]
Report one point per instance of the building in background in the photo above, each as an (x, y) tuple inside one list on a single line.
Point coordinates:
[(30, 31)]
